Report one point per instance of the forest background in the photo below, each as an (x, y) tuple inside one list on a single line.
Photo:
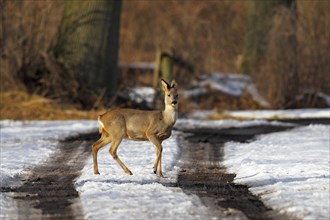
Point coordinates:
[(69, 59)]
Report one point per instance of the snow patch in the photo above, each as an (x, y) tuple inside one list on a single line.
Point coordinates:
[(186, 124), (281, 114), (25, 144), (289, 170), (142, 94), (142, 195), (232, 84), (267, 114)]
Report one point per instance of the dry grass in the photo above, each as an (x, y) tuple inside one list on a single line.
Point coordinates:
[(208, 35), (19, 105), (293, 57)]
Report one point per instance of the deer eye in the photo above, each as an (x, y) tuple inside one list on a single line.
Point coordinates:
[(168, 95)]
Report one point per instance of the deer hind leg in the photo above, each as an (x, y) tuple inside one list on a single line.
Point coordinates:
[(104, 140), (113, 152)]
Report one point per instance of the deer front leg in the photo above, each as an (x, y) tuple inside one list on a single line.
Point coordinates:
[(158, 147), (158, 161), (155, 164), (160, 164)]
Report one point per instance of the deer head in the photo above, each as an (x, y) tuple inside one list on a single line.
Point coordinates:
[(171, 93)]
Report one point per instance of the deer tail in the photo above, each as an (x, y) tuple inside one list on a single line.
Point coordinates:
[(101, 125)]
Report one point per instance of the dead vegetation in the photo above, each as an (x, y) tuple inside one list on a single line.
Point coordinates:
[(291, 56), (205, 36), (19, 105), (209, 35)]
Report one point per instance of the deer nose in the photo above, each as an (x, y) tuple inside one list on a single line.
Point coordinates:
[(174, 102)]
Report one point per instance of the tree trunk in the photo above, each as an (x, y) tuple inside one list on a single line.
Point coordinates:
[(259, 24), (88, 43)]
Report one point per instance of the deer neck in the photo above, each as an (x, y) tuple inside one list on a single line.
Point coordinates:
[(170, 114)]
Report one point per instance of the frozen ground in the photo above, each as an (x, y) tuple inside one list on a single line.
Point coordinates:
[(28, 143), (25, 144), (289, 170), (116, 195), (187, 124), (113, 194), (282, 114), (267, 114)]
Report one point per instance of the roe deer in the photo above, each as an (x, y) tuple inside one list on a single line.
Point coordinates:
[(155, 126)]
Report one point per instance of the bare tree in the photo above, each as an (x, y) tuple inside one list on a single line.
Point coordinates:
[(88, 42)]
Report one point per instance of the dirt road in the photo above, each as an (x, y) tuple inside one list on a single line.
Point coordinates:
[(203, 175), (48, 192)]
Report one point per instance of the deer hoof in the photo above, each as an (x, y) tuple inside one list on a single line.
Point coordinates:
[(96, 173), (154, 169)]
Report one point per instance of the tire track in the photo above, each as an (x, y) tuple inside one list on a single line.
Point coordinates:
[(203, 175), (48, 191)]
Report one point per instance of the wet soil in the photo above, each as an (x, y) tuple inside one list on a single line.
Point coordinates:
[(48, 191), (202, 173)]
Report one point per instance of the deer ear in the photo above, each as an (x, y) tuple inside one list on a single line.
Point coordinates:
[(173, 84), (165, 85)]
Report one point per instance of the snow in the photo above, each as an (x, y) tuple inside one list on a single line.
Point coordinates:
[(187, 124), (142, 94), (266, 114), (289, 170), (25, 144), (28, 143), (113, 193), (232, 84), (142, 195), (281, 114)]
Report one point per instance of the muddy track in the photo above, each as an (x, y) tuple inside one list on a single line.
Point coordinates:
[(203, 175), (48, 191)]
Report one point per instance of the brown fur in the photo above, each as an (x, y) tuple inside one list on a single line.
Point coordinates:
[(155, 126)]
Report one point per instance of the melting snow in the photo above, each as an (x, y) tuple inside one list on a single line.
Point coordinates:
[(140, 196), (232, 84), (289, 170), (282, 114)]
